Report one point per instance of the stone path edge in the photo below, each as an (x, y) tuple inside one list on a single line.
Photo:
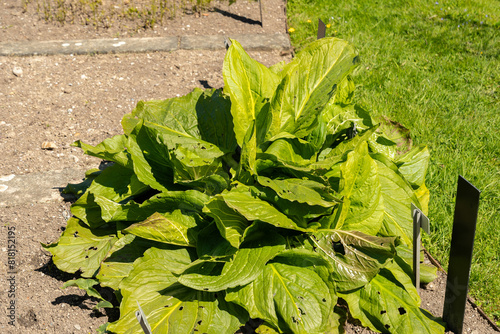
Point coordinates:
[(254, 42), (38, 187)]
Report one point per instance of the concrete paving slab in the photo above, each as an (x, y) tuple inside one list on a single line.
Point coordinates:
[(261, 42), (40, 187), (207, 42), (256, 42), (89, 46)]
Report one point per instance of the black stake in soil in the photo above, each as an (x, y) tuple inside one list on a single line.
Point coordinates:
[(321, 29), (462, 243)]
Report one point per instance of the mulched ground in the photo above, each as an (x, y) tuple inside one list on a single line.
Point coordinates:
[(59, 99)]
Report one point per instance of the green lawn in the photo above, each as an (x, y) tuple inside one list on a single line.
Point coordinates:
[(435, 68)]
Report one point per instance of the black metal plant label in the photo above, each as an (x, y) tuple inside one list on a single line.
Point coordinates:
[(321, 29), (462, 243)]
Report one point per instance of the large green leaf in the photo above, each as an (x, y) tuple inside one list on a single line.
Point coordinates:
[(120, 259), (299, 190), (423, 195), (363, 206), (346, 145), (170, 307), (292, 299), (155, 173), (290, 151), (398, 196), (78, 189), (247, 263), (250, 86), (230, 223), (248, 153), (165, 202), (310, 81), (163, 155), (88, 210), (187, 200), (385, 305), (215, 122), (414, 165), (116, 183), (344, 95), (344, 122), (340, 114), (112, 149), (180, 310), (304, 258), (391, 139), (211, 245), (80, 248), (194, 161), (302, 214), (173, 228), (178, 114), (155, 269), (188, 125), (404, 258), (256, 209), (355, 257)]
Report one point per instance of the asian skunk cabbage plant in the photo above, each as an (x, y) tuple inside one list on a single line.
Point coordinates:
[(274, 198)]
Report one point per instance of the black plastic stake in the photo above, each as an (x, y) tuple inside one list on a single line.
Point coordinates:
[(321, 29), (462, 243)]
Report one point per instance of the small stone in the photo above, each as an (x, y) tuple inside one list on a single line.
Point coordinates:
[(48, 145), (66, 215), (83, 77), (430, 287), (7, 178), (78, 327), (18, 72)]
